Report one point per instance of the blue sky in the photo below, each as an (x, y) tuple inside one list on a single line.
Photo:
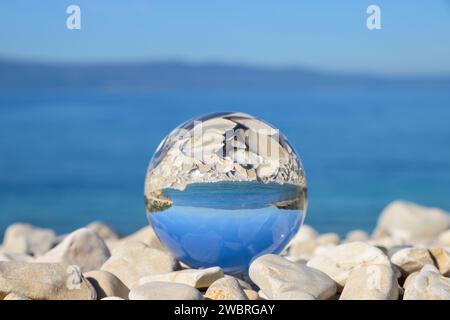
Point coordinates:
[(329, 35)]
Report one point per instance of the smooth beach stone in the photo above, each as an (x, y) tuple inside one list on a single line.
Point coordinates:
[(59, 238), (337, 262), (410, 260), (385, 243), (319, 250), (44, 281), (15, 296), (5, 256), (135, 260), (224, 188), (279, 278), (226, 289), (357, 235), (242, 283), (106, 284), (197, 278), (411, 222), (262, 295), (103, 230), (393, 250), (328, 238), (302, 249), (294, 259), (427, 284), (444, 238), (146, 235), (22, 257), (165, 291), (83, 248), (374, 282), (304, 244), (295, 295), (251, 294), (306, 232), (21, 238), (441, 258)]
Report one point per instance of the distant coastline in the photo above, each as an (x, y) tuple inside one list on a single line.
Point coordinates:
[(169, 75)]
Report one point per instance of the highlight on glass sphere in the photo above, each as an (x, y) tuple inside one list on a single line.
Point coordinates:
[(223, 189)]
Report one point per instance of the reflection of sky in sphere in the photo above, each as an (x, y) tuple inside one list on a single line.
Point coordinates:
[(227, 224)]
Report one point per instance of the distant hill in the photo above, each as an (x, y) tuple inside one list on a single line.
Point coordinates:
[(178, 75)]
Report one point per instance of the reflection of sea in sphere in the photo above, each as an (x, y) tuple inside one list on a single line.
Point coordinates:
[(223, 189)]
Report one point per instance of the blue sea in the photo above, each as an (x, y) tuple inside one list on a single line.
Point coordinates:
[(68, 158)]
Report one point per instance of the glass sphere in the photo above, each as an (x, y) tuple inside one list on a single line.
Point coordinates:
[(223, 189)]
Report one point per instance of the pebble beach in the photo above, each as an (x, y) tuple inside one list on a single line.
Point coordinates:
[(405, 257)]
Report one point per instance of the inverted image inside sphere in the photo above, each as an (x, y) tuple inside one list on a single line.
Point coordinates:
[(223, 189)]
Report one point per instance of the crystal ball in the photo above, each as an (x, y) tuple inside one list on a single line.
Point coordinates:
[(223, 189)]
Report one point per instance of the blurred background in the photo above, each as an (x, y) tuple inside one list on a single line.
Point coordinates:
[(82, 111)]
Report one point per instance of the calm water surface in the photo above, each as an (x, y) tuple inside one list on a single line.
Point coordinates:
[(69, 158)]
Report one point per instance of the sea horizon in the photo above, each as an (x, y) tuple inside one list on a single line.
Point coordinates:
[(178, 74)]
